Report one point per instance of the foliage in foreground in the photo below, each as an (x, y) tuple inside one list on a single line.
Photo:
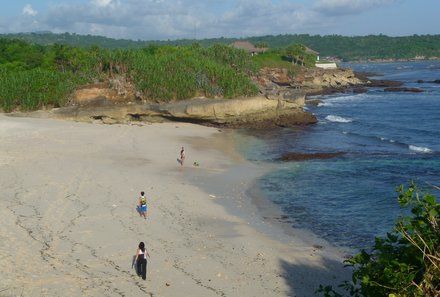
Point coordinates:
[(407, 261)]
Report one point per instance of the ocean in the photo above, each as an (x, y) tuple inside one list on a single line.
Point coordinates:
[(389, 139)]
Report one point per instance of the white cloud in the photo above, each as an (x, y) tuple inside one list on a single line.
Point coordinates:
[(345, 7), (102, 3), (28, 10)]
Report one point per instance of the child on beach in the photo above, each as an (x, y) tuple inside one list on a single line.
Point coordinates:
[(143, 205), (141, 260), (182, 156)]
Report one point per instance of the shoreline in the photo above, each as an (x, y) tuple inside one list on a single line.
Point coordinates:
[(246, 200), (69, 192)]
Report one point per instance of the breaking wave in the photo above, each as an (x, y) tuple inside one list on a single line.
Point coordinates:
[(338, 119), (420, 149)]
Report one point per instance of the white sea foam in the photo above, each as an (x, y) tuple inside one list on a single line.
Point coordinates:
[(338, 119), (420, 149), (347, 98), (324, 104)]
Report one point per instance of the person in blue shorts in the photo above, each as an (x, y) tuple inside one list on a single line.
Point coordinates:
[(143, 205)]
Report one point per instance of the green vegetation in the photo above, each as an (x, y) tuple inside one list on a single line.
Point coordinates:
[(273, 59), (35, 76), (169, 72), (35, 88), (407, 261), (299, 55), (355, 48)]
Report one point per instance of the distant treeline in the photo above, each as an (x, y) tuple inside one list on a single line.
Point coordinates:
[(356, 48)]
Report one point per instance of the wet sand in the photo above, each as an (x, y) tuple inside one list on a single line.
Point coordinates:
[(69, 225)]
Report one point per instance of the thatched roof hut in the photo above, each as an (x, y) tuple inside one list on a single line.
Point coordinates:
[(249, 47)]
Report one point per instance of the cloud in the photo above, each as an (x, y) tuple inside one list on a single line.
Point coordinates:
[(28, 10), (102, 3), (136, 19), (177, 19), (258, 17), (347, 7)]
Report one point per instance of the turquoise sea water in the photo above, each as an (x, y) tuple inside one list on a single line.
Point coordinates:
[(389, 139)]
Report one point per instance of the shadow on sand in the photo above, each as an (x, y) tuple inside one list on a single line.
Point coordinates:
[(303, 280)]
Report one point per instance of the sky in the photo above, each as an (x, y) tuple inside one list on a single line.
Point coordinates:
[(200, 19)]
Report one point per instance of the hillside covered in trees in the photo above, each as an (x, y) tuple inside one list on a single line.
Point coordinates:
[(355, 48)]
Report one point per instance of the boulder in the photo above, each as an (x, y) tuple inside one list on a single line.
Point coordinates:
[(326, 81), (309, 156), (314, 102), (397, 89), (381, 83)]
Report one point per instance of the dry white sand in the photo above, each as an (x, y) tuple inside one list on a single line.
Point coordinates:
[(69, 225)]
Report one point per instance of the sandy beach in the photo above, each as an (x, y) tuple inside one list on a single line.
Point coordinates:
[(69, 224)]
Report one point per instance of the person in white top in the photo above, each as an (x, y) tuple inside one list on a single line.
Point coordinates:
[(141, 260)]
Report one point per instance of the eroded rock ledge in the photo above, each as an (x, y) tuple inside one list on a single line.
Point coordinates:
[(255, 112)]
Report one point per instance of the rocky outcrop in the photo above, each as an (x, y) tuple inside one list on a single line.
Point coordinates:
[(118, 102), (254, 112), (280, 103), (277, 83), (311, 156), (413, 90), (220, 110), (257, 112), (436, 81), (331, 78), (383, 83), (116, 90)]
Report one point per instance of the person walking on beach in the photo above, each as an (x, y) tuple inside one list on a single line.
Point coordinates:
[(182, 156), (141, 260), (143, 205)]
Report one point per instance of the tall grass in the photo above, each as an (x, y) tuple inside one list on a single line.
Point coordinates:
[(34, 89), (181, 73)]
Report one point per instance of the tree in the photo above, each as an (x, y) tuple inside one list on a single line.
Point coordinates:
[(299, 55)]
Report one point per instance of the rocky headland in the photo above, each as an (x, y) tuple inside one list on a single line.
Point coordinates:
[(280, 102)]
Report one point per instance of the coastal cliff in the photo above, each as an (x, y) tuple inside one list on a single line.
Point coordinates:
[(280, 102)]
